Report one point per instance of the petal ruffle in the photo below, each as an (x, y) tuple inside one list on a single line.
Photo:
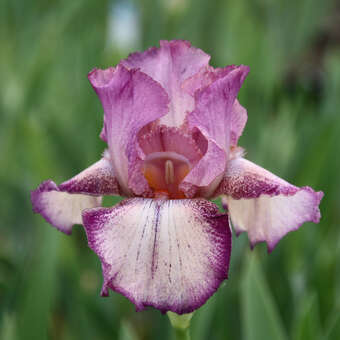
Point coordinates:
[(264, 205), (213, 117), (206, 77), (62, 205), (171, 65), (131, 99), (169, 254)]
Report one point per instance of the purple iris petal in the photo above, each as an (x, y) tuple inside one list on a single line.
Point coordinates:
[(206, 77), (169, 254), (264, 205), (130, 99), (213, 116), (238, 121), (170, 65), (62, 205)]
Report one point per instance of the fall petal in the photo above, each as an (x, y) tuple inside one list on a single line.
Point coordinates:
[(169, 254), (264, 205), (62, 205), (98, 179)]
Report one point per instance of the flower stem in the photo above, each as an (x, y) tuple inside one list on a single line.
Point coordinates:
[(182, 334), (181, 325)]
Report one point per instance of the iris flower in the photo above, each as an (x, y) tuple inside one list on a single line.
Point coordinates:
[(172, 123)]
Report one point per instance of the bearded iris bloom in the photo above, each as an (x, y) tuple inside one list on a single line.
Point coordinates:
[(172, 123)]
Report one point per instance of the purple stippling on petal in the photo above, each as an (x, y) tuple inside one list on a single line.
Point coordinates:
[(60, 209), (264, 205), (244, 179), (169, 254), (62, 205), (98, 179)]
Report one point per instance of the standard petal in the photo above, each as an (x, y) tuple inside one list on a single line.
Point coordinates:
[(62, 205), (264, 205), (171, 65), (169, 254), (214, 105), (206, 77), (207, 173), (238, 121), (131, 99), (213, 117)]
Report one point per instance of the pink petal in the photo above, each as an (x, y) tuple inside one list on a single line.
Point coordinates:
[(171, 65), (264, 205), (213, 117), (207, 76), (208, 172), (170, 139), (214, 104), (130, 99), (62, 205), (169, 254)]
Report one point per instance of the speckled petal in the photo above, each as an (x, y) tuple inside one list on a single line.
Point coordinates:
[(212, 116), (131, 100), (169, 254), (264, 205), (62, 205), (171, 65)]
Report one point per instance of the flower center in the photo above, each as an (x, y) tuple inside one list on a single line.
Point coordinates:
[(164, 171)]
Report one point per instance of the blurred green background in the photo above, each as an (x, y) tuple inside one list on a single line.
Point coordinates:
[(50, 119)]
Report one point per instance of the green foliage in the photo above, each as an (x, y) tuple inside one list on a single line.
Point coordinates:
[(260, 317), (50, 122)]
